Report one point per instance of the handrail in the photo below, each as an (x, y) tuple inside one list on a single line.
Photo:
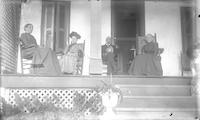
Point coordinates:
[(49, 82), (36, 81)]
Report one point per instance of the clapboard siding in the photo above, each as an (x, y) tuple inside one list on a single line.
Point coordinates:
[(9, 24)]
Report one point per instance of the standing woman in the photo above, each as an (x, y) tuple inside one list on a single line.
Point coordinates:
[(71, 55), (44, 60)]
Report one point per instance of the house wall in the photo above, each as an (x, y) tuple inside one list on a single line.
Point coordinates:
[(9, 32), (106, 20), (163, 18), (31, 13)]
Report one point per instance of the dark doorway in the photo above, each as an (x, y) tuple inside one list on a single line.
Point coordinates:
[(127, 23), (187, 29)]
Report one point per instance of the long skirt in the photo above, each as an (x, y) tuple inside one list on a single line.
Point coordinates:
[(45, 62), (69, 64), (146, 65)]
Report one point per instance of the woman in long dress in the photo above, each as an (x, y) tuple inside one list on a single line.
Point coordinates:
[(71, 55), (44, 60), (148, 63)]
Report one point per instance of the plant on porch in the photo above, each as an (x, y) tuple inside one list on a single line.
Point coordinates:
[(84, 107)]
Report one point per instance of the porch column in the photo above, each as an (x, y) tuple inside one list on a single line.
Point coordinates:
[(197, 53), (95, 39), (9, 34)]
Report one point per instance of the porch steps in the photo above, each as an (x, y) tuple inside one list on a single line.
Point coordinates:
[(155, 90), (156, 99)]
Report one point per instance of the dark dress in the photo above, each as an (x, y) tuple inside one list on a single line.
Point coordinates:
[(108, 55), (148, 63), (44, 60), (29, 45)]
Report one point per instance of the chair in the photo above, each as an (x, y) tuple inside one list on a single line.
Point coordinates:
[(104, 70), (80, 59), (185, 64), (23, 65), (141, 42)]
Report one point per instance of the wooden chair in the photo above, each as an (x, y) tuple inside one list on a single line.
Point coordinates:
[(80, 59), (104, 70), (23, 65), (185, 64), (141, 42)]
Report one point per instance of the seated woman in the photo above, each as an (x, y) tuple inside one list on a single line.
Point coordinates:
[(148, 63), (44, 60), (72, 53)]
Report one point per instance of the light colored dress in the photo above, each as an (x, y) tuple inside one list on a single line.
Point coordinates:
[(70, 59)]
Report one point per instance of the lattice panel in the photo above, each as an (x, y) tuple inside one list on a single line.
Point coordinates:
[(64, 95)]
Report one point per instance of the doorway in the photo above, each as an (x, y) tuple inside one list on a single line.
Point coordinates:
[(187, 29), (127, 22), (55, 24)]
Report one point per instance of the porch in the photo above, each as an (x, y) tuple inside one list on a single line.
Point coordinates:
[(167, 97), (142, 98)]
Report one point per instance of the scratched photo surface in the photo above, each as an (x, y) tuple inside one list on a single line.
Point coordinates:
[(100, 59)]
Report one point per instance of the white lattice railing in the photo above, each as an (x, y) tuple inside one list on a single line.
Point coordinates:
[(66, 96), (64, 88)]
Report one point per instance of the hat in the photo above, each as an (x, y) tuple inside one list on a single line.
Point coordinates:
[(74, 34)]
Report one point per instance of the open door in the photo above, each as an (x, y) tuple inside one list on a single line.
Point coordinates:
[(127, 22)]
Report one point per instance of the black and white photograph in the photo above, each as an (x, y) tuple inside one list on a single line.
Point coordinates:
[(99, 59)]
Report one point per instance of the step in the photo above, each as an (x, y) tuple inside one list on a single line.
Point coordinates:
[(157, 115), (155, 90), (156, 103), (153, 80)]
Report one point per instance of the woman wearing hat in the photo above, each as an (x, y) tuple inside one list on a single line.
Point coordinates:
[(71, 54), (149, 62)]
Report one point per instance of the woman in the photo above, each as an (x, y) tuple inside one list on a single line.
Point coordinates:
[(44, 60), (29, 44), (71, 55), (148, 63)]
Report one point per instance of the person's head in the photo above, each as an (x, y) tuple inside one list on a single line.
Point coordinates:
[(74, 36), (150, 38), (28, 28), (108, 40)]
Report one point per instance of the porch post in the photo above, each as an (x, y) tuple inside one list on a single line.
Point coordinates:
[(197, 54), (9, 34), (95, 41)]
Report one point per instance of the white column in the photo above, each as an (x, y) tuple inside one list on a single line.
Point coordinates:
[(95, 41)]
